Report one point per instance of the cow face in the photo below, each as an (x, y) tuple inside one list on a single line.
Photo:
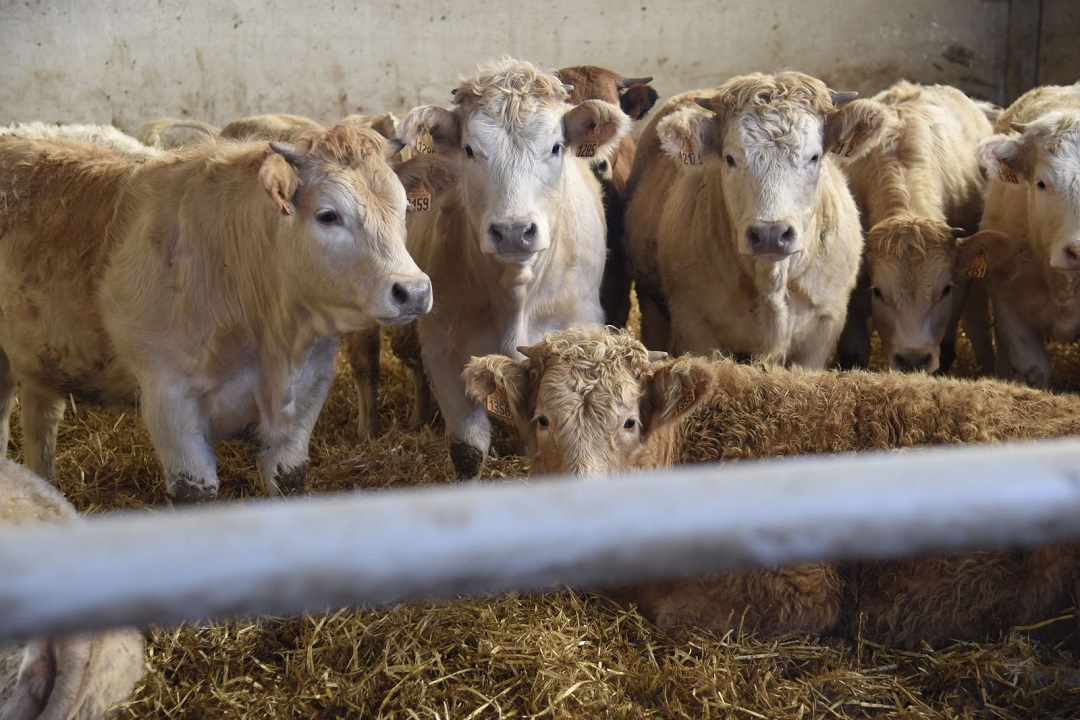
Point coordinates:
[(342, 229), (587, 400), (515, 136), (912, 263), (770, 136), (1045, 160)]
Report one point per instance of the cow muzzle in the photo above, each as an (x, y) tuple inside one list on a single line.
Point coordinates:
[(772, 241), (916, 360), (408, 299), (1068, 258), (514, 241)]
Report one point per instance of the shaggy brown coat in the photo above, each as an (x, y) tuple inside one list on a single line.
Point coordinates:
[(591, 401)]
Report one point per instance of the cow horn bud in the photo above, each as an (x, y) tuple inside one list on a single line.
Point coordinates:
[(533, 352), (839, 98), (396, 145), (568, 87), (627, 82), (705, 103), (657, 355), (287, 151), (1017, 127)]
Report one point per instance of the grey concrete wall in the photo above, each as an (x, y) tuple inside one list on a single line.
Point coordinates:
[(124, 61), (1059, 46)]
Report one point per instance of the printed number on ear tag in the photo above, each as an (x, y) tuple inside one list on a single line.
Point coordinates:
[(977, 267), (588, 146), (425, 144), (1006, 174), (419, 199), (685, 401), (689, 157), (497, 404)]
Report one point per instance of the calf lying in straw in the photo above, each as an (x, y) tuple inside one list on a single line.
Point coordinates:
[(76, 677), (592, 400)]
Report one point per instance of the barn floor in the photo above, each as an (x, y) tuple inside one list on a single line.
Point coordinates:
[(563, 655)]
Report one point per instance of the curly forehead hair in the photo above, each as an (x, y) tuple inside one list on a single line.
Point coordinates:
[(786, 88), (591, 346), (341, 144), (510, 90), (901, 237)]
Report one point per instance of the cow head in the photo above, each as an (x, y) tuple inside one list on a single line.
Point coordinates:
[(1044, 158), (514, 134), (342, 229), (589, 399), (912, 263), (770, 135)]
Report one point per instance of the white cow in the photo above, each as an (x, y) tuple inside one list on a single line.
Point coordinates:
[(747, 230), (919, 190), (209, 283), (68, 678), (104, 135), (1029, 236), (516, 248)]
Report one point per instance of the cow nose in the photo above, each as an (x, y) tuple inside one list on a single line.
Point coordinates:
[(771, 238), (1070, 258), (913, 362), (412, 297), (513, 238)]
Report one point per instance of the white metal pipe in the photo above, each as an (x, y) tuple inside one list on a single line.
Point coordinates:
[(372, 548)]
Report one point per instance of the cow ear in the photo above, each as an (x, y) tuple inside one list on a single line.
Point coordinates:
[(984, 252), (594, 128), (427, 175), (1003, 157), (674, 390), (637, 100), (279, 179), (858, 126), (431, 129), (35, 681), (501, 385), (688, 135)]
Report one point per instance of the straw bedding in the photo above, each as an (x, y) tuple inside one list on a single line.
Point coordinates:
[(563, 655)]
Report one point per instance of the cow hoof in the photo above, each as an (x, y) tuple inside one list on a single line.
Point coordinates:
[(291, 481), (186, 490), (467, 460)]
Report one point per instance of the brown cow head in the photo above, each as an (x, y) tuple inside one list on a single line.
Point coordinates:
[(588, 400)]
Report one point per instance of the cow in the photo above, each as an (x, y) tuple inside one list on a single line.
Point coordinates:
[(168, 133), (1028, 242), (211, 284), (104, 135), (516, 247), (592, 400), (636, 97), (76, 677), (919, 190), (741, 225)]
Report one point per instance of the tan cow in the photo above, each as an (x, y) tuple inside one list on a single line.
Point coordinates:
[(592, 400), (516, 248), (919, 189), (740, 222), (75, 677), (209, 283), (1030, 231), (636, 97), (168, 133)]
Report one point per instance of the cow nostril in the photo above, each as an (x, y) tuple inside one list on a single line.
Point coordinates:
[(530, 232), (496, 236), (399, 293), (1072, 253), (788, 235), (753, 238)]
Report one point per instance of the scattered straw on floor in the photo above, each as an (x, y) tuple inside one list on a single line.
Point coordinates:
[(564, 655)]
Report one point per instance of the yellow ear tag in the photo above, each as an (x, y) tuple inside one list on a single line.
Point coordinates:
[(977, 267), (689, 157), (1006, 174), (685, 401), (425, 144), (588, 146), (497, 404), (419, 199)]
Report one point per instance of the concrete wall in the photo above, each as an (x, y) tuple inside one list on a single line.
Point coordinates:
[(124, 61), (1059, 54)]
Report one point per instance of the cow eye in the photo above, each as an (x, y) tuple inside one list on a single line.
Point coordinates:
[(556, 148), (1041, 185), (729, 160), (542, 421), (876, 292), (946, 290), (468, 151), (326, 216), (630, 424), (814, 159)]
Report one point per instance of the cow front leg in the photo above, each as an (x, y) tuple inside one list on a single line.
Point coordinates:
[(182, 442), (285, 435), (40, 417), (362, 350), (1021, 348), (7, 401), (468, 429)]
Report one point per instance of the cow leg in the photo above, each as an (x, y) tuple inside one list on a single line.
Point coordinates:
[(817, 344), (1021, 350), (181, 440), (977, 325), (853, 347), (468, 429), (655, 323), (284, 459), (41, 411), (422, 411), (405, 344), (7, 401), (362, 351)]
